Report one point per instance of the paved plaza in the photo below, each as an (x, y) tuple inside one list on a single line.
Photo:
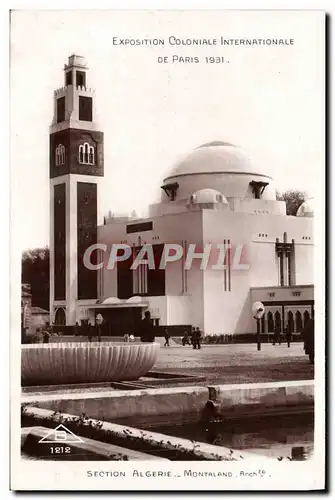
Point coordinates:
[(237, 363)]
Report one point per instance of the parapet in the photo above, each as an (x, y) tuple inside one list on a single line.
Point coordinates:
[(59, 91), (62, 90)]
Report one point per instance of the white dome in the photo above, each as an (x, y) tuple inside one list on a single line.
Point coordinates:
[(135, 299), (112, 300), (215, 157), (217, 166), (207, 196), (306, 209)]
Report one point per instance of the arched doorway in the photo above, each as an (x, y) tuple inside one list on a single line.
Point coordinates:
[(278, 320), (290, 320), (298, 321), (306, 317), (60, 318), (262, 324), (270, 322)]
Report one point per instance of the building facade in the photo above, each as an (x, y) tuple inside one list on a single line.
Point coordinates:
[(32, 317), (217, 241)]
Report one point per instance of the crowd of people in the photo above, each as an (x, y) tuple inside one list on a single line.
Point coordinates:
[(306, 335), (192, 338), (277, 335)]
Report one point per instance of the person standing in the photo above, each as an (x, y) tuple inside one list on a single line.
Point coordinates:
[(167, 338), (38, 336), (46, 337), (23, 335), (277, 335), (193, 339), (308, 336), (197, 338), (147, 328), (289, 334), (185, 339), (87, 331)]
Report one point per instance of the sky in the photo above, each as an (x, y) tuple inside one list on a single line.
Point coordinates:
[(266, 99)]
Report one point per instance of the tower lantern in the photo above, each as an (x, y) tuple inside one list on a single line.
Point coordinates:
[(74, 104), (75, 71)]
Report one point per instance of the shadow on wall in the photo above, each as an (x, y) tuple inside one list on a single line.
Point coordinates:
[(245, 322)]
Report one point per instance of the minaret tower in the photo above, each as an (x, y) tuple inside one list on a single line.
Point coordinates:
[(76, 164)]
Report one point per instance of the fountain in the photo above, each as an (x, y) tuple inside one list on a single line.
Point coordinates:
[(86, 362)]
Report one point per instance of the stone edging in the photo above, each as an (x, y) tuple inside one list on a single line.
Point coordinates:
[(31, 436), (202, 451)]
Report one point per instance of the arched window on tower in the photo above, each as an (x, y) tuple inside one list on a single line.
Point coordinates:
[(91, 156), (86, 154), (298, 321), (81, 154), (60, 155)]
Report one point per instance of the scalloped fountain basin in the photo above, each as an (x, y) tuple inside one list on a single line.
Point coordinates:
[(80, 362)]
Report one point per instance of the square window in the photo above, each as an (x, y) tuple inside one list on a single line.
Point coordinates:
[(68, 78), (80, 79), (61, 109), (85, 108)]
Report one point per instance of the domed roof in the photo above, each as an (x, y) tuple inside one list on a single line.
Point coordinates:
[(215, 143), (306, 209), (135, 299), (207, 196), (111, 300), (213, 158)]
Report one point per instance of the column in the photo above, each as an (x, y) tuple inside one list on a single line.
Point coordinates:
[(281, 268)]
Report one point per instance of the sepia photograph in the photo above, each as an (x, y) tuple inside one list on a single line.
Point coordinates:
[(167, 240)]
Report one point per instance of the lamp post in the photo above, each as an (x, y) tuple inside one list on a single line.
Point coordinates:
[(258, 313), (99, 320)]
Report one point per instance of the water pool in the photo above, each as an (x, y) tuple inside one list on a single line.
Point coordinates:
[(265, 435)]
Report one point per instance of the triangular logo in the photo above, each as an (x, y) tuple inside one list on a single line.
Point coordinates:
[(61, 435)]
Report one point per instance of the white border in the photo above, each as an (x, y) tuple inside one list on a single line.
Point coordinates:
[(320, 233)]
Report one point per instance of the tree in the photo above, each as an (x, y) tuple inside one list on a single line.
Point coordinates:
[(35, 272), (293, 199)]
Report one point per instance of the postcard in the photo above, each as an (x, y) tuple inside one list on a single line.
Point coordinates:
[(168, 249)]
